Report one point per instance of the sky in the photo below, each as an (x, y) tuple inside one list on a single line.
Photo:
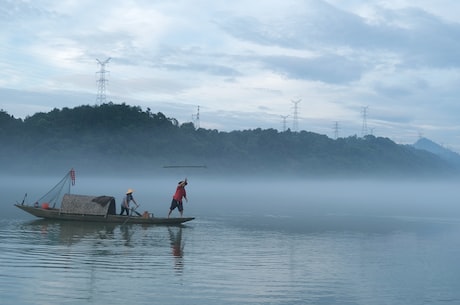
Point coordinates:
[(335, 67)]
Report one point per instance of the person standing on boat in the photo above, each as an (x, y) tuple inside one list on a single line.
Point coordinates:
[(177, 198), (126, 200)]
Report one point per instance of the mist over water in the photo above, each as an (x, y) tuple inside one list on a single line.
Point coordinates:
[(303, 204), (254, 240)]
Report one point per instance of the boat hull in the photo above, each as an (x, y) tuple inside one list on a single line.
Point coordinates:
[(55, 214)]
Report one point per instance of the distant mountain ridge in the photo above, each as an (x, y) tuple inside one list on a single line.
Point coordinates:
[(435, 148)]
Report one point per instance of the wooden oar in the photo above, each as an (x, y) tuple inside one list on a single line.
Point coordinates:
[(133, 210)]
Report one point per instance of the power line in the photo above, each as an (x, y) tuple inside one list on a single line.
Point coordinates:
[(336, 130), (364, 131), (102, 81), (295, 122), (420, 134), (196, 118), (284, 117)]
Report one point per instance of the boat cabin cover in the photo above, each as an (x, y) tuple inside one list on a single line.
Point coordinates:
[(88, 205)]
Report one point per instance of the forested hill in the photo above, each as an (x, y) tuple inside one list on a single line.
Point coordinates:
[(119, 137)]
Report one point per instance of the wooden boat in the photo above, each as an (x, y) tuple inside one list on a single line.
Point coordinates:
[(56, 214), (91, 209)]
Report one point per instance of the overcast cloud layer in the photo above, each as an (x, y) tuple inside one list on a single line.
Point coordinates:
[(244, 62)]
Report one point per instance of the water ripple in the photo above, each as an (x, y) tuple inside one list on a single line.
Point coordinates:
[(215, 261)]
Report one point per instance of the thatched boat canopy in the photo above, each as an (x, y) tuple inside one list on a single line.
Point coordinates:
[(88, 205)]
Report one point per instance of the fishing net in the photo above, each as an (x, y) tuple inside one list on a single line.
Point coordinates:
[(56, 194)]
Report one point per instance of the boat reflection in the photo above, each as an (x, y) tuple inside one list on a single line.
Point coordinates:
[(101, 239), (69, 232)]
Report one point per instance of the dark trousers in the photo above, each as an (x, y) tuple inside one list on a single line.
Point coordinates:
[(123, 209)]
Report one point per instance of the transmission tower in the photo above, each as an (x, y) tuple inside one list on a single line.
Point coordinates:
[(196, 118), (295, 122), (420, 134), (284, 117), (364, 131), (102, 81), (336, 130)]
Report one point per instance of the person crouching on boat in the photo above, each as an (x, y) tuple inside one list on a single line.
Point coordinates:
[(177, 198), (126, 200)]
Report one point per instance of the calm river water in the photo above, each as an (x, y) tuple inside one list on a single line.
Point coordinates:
[(253, 242)]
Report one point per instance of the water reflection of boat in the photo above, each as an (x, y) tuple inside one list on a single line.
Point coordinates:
[(84, 208), (70, 240), (69, 232)]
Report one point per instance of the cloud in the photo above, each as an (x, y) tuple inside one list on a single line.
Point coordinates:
[(322, 69)]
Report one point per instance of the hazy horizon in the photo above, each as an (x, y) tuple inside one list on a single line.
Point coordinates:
[(262, 196)]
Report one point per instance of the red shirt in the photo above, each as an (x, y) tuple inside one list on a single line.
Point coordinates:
[(180, 192)]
